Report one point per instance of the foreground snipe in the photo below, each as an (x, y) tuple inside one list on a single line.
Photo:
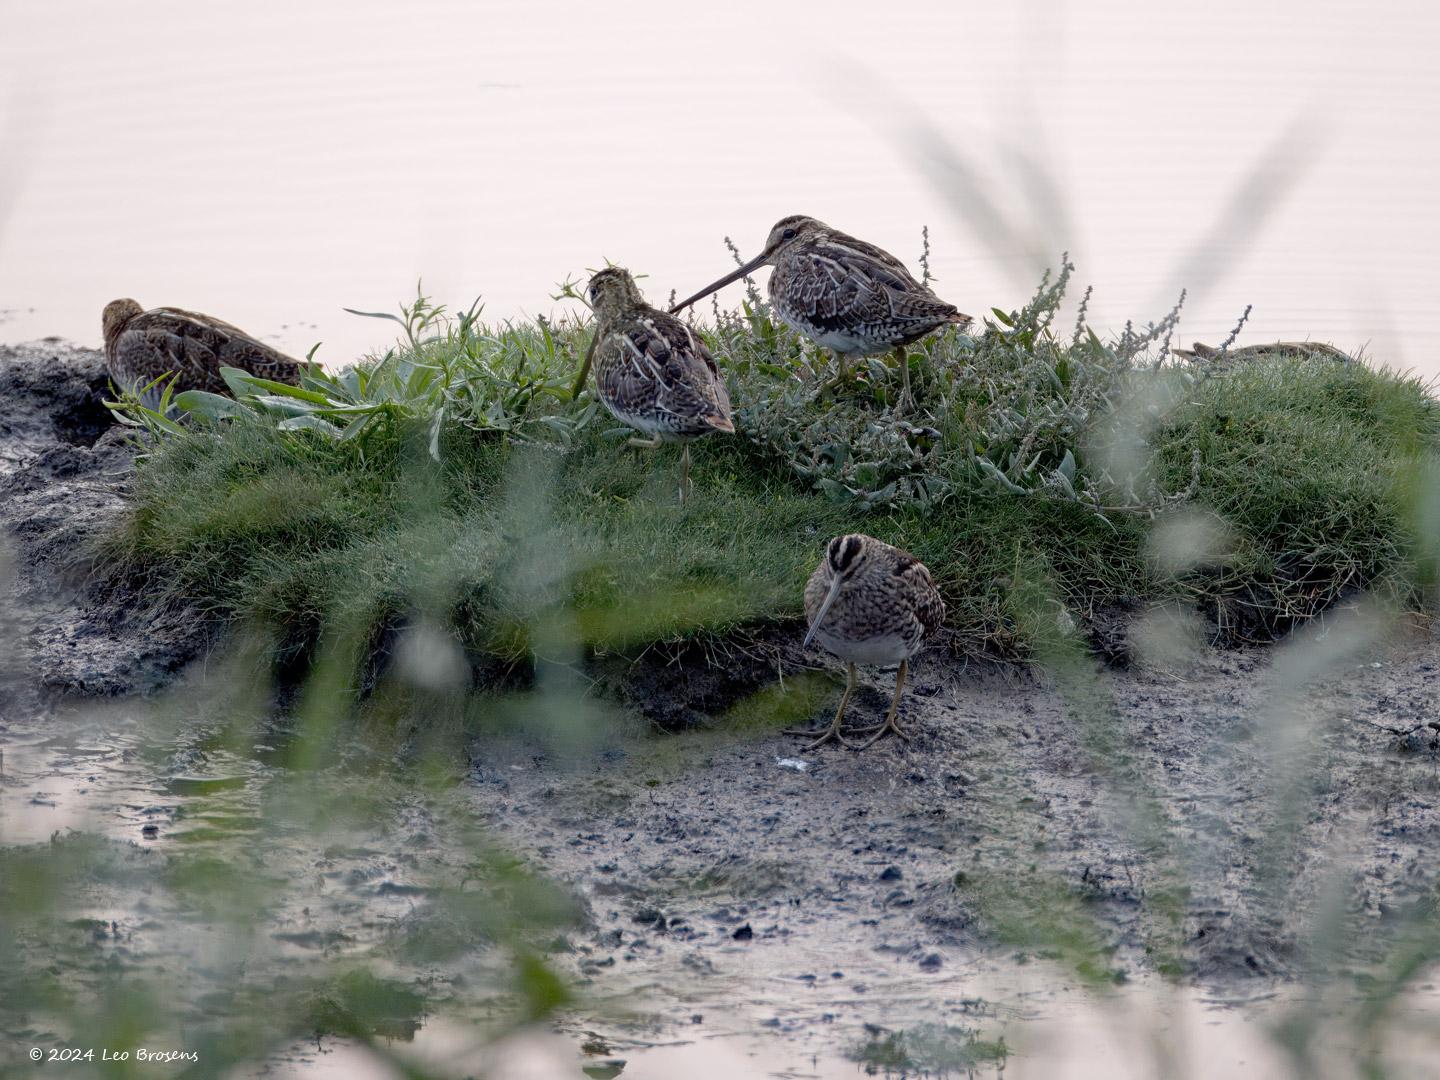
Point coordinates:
[(846, 295), (141, 346), (651, 370), (870, 603)]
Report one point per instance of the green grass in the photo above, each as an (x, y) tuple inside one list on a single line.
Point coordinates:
[(457, 481), (1310, 464)]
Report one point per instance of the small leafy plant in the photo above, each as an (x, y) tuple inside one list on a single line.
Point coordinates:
[(452, 370), (1013, 409)]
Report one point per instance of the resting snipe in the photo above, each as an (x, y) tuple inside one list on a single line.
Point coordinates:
[(848, 296), (651, 370), (141, 345), (870, 603)]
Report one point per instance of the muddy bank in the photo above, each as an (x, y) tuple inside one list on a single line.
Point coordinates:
[(1233, 819), (724, 885), (1207, 772), (1267, 777), (64, 470)]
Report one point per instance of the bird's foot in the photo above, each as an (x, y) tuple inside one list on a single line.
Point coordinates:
[(889, 727), (826, 735)]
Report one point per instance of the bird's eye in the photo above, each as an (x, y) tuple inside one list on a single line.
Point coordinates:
[(788, 234)]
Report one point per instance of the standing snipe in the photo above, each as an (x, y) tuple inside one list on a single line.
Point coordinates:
[(870, 603), (651, 370), (141, 346), (848, 296)]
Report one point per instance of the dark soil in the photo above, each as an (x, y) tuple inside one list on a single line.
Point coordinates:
[(921, 852), (684, 686), (64, 468)]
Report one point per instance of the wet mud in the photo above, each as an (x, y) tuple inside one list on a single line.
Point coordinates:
[(64, 471), (1229, 820), (913, 848)]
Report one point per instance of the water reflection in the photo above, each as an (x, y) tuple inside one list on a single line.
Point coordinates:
[(1149, 1031), (306, 158), (344, 864)]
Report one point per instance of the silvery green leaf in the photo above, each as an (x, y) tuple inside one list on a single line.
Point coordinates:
[(992, 471), (310, 422), (203, 403)]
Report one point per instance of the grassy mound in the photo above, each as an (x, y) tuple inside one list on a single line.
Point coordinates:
[(1041, 479)]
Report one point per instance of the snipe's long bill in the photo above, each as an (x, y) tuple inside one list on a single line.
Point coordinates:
[(870, 603)]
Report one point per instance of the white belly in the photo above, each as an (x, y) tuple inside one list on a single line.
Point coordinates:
[(880, 651), (649, 426), (837, 340), (843, 343)]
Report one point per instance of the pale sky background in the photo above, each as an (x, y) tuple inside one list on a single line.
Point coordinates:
[(273, 162)]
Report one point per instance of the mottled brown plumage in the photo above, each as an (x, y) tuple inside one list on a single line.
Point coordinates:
[(651, 370), (847, 295), (141, 346), (870, 603), (1214, 359)]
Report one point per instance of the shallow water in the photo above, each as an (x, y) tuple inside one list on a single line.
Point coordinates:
[(1142, 1033), (106, 774), (352, 849), (273, 164)]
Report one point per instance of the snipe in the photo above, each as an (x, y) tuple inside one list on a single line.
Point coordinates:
[(1214, 359), (870, 603), (846, 295), (141, 346), (651, 370)]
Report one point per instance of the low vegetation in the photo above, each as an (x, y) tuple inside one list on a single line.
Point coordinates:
[(450, 505), (1045, 476)]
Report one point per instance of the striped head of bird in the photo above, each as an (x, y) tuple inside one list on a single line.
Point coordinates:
[(612, 292), (845, 560), (612, 295), (117, 314), (797, 229)]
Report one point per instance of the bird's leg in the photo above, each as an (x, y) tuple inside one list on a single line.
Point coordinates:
[(684, 473), (648, 444), (833, 731), (906, 398), (585, 365), (890, 725), (842, 372)]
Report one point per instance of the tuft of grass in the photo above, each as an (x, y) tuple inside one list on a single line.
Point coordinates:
[(484, 500), (1308, 463)]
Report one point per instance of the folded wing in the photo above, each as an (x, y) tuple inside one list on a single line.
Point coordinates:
[(657, 360), (844, 285), (196, 347)]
